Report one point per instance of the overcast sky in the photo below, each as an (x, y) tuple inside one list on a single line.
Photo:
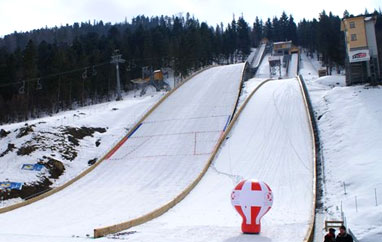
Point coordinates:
[(24, 15)]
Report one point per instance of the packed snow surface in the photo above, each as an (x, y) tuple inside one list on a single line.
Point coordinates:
[(263, 70), (293, 66), (252, 55), (271, 141), (259, 53), (155, 164)]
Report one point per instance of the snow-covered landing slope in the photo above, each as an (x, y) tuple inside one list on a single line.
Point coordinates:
[(271, 141), (162, 157)]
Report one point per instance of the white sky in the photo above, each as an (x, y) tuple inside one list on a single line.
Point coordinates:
[(24, 15)]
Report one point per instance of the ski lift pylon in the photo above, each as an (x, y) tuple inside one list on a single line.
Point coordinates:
[(38, 85), (85, 74), (22, 88)]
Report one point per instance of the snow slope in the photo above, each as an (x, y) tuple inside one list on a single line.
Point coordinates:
[(252, 55), (259, 53), (271, 141), (351, 130), (263, 71), (350, 124), (115, 117), (162, 157), (293, 66)]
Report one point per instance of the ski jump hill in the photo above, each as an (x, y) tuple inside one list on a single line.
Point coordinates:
[(160, 159), (187, 154), (270, 138)]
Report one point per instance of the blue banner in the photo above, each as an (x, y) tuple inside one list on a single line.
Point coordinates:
[(227, 123), (11, 185), (32, 167)]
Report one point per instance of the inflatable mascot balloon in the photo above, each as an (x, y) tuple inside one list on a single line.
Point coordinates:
[(252, 199)]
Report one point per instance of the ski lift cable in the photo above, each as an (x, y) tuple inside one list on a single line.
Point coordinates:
[(54, 75), (92, 66)]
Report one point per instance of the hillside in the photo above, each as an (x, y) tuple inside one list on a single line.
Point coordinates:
[(64, 144), (349, 120)]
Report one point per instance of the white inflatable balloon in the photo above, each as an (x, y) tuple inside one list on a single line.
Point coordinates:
[(252, 199)]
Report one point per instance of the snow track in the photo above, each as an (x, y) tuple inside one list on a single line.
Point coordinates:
[(259, 54), (270, 141), (293, 66), (160, 159), (263, 71)]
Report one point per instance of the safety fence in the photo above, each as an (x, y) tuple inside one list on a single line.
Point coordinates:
[(298, 63), (357, 201), (318, 203), (245, 75), (316, 157)]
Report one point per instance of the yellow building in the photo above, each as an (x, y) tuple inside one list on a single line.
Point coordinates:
[(294, 50), (158, 75), (355, 32), (282, 48), (362, 63)]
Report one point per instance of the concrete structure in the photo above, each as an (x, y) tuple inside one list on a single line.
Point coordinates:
[(362, 61), (282, 48), (274, 66)]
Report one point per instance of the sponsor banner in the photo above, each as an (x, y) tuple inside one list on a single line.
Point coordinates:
[(32, 167), (10, 185), (359, 55)]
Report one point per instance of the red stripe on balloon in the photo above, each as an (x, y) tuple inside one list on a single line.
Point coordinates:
[(256, 186), (240, 211), (240, 185), (254, 212)]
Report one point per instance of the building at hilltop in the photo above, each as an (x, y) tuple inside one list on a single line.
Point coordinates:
[(363, 64), (281, 48)]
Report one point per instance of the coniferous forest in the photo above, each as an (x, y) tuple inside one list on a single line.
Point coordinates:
[(48, 70)]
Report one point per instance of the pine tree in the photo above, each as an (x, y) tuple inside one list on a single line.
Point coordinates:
[(346, 14), (257, 32), (243, 31), (268, 29), (276, 30), (284, 27), (30, 61), (292, 30)]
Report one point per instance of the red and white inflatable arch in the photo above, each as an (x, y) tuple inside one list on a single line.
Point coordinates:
[(252, 199)]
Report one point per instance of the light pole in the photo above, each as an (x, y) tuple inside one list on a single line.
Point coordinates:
[(116, 59)]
